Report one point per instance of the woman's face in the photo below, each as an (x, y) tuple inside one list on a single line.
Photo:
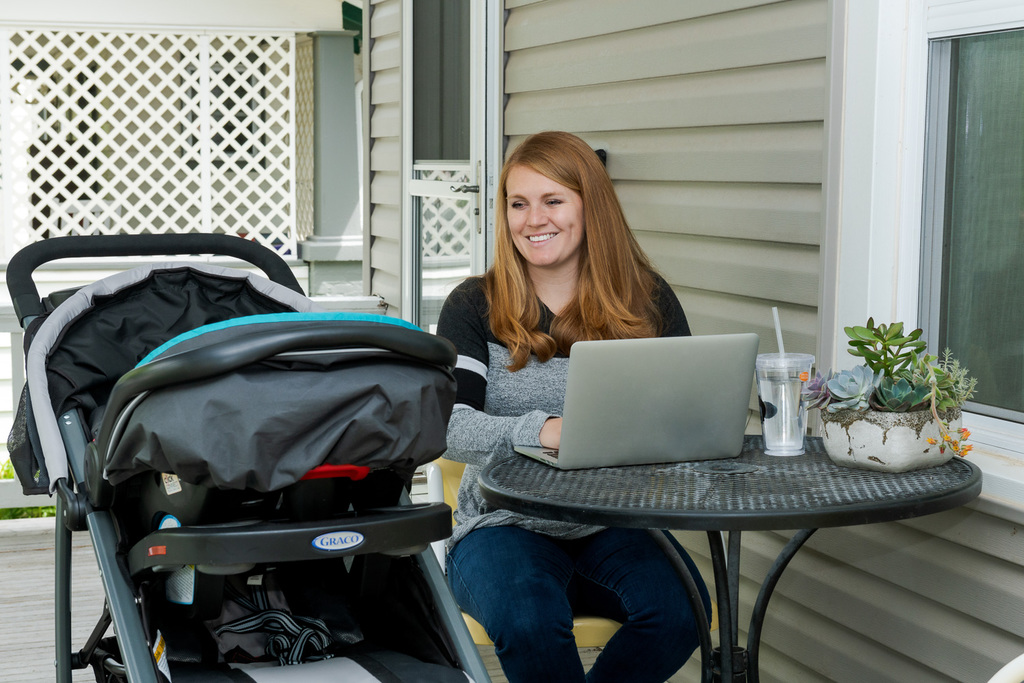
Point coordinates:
[(546, 221)]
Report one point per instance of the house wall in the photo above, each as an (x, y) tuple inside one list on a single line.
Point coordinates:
[(712, 117), (382, 212), (938, 598), (715, 116)]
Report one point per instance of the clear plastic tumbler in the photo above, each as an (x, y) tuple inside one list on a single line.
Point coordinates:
[(780, 377)]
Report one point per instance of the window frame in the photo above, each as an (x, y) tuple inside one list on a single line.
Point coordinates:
[(875, 179), (936, 204)]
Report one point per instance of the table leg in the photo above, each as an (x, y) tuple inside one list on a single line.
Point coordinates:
[(730, 658), (741, 665), (703, 619), (733, 563), (765, 594)]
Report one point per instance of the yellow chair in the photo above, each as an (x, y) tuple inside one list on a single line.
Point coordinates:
[(588, 631)]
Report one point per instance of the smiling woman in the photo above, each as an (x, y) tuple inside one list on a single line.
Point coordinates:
[(546, 222), (607, 288), (566, 268)]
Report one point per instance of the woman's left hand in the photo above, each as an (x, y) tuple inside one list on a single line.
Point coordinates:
[(551, 433)]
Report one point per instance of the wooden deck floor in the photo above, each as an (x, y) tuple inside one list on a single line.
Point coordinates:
[(26, 605), (26, 600)]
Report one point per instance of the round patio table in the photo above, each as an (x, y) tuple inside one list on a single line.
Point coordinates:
[(752, 492)]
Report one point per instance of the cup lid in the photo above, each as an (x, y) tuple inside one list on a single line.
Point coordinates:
[(785, 360)]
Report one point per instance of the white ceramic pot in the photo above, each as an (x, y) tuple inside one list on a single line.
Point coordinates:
[(888, 442)]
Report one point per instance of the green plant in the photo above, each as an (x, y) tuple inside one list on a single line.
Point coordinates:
[(897, 376), (852, 389), (884, 348), (27, 513), (899, 396), (7, 472), (815, 393), (953, 385)]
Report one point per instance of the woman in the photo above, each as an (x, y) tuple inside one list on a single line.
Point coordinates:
[(566, 268)]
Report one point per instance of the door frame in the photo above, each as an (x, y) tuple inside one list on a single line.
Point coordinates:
[(485, 146)]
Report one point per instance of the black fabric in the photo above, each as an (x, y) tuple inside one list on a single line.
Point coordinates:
[(401, 616), (321, 590), (377, 669), (406, 645), (197, 673), (270, 423), (110, 338), (26, 453), (23, 440), (258, 621), (381, 667), (394, 667)]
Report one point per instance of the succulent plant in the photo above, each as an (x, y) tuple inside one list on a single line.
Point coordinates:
[(852, 388), (897, 376), (815, 392), (884, 348), (953, 386), (900, 396)]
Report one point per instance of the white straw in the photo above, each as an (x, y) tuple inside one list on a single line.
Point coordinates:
[(778, 329)]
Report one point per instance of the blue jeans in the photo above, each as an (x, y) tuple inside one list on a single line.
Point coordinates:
[(524, 588)]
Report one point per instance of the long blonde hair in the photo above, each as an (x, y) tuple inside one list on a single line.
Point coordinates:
[(615, 287)]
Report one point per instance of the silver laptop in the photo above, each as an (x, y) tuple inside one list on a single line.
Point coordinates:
[(662, 400)]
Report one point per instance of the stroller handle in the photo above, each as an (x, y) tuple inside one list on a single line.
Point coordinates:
[(25, 296)]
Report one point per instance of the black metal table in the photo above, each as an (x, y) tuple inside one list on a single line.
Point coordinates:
[(753, 492)]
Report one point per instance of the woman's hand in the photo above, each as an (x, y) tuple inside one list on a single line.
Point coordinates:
[(551, 433)]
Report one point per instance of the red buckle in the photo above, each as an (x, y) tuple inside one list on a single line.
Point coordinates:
[(353, 472)]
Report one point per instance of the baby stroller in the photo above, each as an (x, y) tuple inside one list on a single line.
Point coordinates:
[(242, 463)]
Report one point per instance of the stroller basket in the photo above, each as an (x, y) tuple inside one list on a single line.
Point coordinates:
[(241, 461)]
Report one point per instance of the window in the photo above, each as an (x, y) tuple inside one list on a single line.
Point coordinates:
[(972, 294)]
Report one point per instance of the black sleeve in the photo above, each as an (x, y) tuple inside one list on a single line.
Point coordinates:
[(673, 320), (463, 322)]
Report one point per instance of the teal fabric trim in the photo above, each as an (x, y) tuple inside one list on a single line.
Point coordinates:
[(275, 318)]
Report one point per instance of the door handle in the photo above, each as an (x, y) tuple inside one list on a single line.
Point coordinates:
[(465, 188)]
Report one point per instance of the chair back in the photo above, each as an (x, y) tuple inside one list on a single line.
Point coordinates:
[(451, 479)]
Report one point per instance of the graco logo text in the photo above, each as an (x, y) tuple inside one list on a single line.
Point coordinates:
[(338, 540)]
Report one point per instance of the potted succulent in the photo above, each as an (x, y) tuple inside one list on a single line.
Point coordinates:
[(899, 410)]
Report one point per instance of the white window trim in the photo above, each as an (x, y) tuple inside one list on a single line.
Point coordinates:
[(874, 208)]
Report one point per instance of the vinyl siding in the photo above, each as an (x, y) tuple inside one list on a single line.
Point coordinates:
[(712, 115), (938, 598), (383, 213)]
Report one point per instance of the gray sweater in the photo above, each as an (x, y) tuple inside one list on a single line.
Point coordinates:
[(497, 409)]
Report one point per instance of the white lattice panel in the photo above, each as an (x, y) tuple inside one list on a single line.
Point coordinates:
[(148, 132), (445, 223)]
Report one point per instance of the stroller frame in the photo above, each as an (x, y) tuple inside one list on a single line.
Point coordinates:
[(81, 502)]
